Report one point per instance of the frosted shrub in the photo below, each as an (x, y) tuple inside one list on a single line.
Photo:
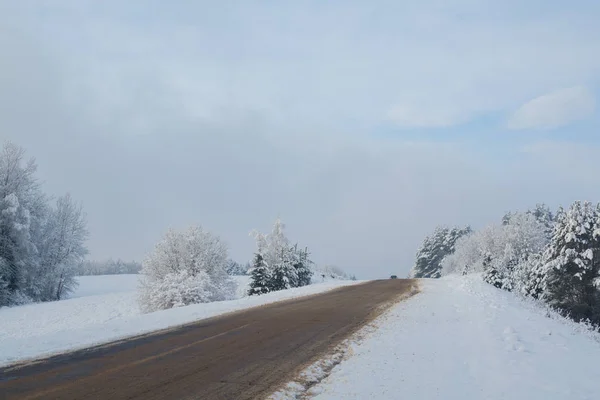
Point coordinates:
[(176, 290), (185, 268)]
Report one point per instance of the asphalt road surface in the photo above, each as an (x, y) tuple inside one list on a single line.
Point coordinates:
[(243, 355)]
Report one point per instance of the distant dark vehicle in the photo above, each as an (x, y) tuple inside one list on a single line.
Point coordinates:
[(393, 277)]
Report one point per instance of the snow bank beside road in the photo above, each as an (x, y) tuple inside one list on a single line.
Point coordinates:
[(38, 330), (463, 339)]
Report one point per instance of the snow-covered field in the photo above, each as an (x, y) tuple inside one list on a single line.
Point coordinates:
[(460, 339), (104, 309)]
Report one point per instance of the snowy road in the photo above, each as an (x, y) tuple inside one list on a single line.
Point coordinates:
[(240, 355)]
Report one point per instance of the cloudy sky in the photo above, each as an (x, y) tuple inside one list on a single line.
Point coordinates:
[(362, 124)]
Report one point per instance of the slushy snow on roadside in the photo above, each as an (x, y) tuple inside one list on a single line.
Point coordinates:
[(460, 338), (104, 309)]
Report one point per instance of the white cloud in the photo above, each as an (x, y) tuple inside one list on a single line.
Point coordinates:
[(554, 110)]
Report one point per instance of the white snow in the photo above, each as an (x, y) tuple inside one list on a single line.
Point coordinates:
[(104, 309), (460, 338)]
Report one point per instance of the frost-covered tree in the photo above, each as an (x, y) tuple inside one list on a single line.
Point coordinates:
[(61, 251), (23, 208), (472, 252), (303, 266), (260, 276), (20, 201), (275, 245), (235, 268), (434, 249), (193, 253), (40, 246), (283, 273), (286, 266), (496, 251), (523, 236), (566, 279), (543, 215)]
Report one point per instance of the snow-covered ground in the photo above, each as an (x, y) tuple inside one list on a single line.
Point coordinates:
[(459, 339), (104, 309)]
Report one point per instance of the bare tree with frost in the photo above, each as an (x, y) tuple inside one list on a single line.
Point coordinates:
[(61, 250)]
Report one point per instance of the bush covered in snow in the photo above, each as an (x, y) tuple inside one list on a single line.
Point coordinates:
[(177, 289), (185, 268)]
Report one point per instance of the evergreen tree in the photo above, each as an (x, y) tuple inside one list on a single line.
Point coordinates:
[(543, 215), (284, 266), (566, 279), (434, 249), (260, 276), (284, 274), (302, 264), (235, 268)]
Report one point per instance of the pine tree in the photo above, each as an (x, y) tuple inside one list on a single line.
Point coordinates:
[(434, 249), (284, 274), (536, 285), (286, 266), (302, 265), (567, 277), (260, 276), (542, 214)]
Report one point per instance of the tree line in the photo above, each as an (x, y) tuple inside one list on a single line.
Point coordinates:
[(552, 257), (109, 267)]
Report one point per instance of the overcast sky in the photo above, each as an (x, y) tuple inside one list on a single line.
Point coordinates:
[(363, 124)]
